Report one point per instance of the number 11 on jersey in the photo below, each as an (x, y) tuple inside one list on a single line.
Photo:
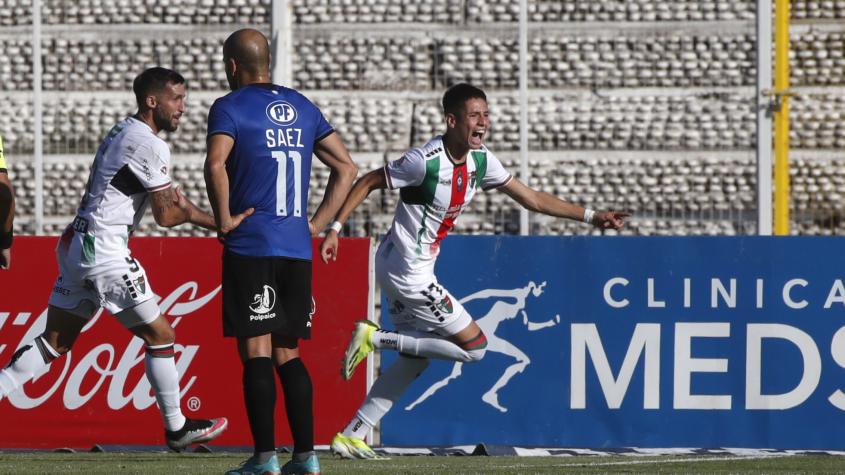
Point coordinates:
[(282, 184)]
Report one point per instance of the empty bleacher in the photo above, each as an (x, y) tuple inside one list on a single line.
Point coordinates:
[(608, 78)]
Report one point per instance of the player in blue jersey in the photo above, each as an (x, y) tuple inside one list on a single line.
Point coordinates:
[(261, 138)]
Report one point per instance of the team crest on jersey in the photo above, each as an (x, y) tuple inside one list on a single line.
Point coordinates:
[(460, 183), (445, 305), (281, 113), (141, 284)]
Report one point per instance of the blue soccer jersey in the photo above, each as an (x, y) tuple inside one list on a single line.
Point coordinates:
[(275, 129)]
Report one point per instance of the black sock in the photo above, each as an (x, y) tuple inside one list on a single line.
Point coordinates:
[(296, 385), (260, 400)]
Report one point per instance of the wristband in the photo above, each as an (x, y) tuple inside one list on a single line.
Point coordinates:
[(337, 226), (6, 239), (588, 215)]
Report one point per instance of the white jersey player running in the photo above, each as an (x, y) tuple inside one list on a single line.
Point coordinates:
[(435, 189), (96, 270), (130, 165), (436, 182)]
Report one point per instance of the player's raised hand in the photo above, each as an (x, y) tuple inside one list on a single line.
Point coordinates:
[(328, 249), (610, 219)]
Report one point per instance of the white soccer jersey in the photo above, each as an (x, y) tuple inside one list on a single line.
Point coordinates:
[(434, 192), (130, 163)]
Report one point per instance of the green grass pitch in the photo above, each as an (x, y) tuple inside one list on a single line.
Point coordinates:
[(189, 463)]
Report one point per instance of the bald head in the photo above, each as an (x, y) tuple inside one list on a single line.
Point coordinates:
[(249, 52)]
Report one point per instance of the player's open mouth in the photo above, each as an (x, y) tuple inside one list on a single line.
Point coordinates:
[(477, 136)]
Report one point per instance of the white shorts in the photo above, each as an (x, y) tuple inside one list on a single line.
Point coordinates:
[(119, 286), (415, 300)]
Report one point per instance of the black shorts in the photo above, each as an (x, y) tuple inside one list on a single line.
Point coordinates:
[(264, 295)]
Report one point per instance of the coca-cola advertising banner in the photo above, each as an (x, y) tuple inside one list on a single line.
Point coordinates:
[(98, 394)]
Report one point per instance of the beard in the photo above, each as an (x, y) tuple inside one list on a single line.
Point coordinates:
[(164, 123)]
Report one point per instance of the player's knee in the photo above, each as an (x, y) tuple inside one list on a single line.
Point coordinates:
[(165, 335), (475, 348), (158, 333)]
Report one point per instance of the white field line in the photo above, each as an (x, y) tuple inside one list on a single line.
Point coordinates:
[(703, 458)]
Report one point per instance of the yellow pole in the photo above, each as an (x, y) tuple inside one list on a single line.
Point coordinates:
[(782, 118)]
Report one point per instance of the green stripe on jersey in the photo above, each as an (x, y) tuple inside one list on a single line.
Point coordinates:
[(480, 159), (88, 249), (423, 194), (421, 231)]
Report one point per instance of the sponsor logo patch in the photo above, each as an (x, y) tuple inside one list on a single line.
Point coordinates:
[(281, 113), (262, 303)]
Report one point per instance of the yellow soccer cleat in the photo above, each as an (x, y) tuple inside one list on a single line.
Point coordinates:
[(353, 448), (358, 348)]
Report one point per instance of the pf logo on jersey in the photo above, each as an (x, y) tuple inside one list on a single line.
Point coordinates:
[(281, 113)]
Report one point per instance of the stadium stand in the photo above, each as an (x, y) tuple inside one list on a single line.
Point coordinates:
[(614, 83), (335, 62), (561, 121)]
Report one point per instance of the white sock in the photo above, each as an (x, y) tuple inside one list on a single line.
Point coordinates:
[(437, 348), (160, 364), (28, 360), (385, 391)]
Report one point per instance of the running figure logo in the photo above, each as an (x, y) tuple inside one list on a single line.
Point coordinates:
[(502, 310), (264, 301)]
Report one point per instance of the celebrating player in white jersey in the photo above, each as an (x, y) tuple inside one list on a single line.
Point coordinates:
[(96, 270), (436, 182)]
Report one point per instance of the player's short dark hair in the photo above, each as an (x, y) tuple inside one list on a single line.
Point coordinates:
[(456, 96), (154, 80)]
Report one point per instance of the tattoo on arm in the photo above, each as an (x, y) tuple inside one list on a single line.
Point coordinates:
[(163, 199), (165, 209)]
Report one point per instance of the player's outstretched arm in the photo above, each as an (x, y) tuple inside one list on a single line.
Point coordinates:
[(374, 180), (545, 203), (333, 153), (172, 208), (201, 218), (7, 216)]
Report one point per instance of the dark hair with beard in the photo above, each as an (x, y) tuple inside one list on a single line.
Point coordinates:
[(456, 96), (153, 80)]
